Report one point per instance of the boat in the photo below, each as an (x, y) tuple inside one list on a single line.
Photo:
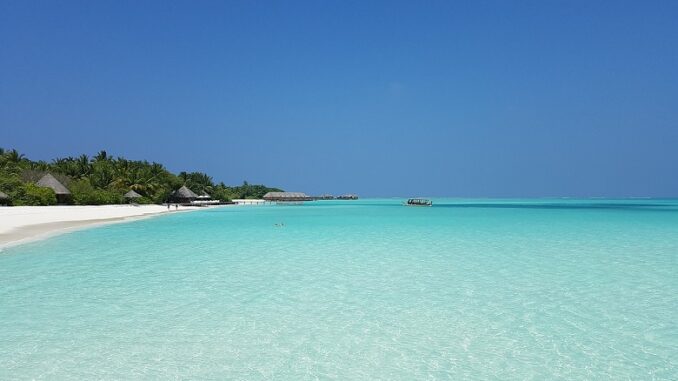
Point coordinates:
[(418, 202)]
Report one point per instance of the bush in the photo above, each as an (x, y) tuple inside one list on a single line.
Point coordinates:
[(140, 201), (85, 194), (10, 183), (31, 194), (221, 194), (158, 197)]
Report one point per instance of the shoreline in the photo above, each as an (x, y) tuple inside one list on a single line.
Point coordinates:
[(21, 225)]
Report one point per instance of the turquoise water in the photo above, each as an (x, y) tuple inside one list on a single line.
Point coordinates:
[(355, 290)]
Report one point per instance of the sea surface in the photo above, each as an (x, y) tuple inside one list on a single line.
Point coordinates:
[(547, 289)]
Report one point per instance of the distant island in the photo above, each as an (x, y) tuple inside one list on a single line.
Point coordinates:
[(103, 179)]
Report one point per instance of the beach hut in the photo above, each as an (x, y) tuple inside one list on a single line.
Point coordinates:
[(132, 195), (287, 196), (4, 198), (63, 195), (183, 195)]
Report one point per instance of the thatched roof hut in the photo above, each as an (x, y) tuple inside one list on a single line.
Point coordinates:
[(48, 181), (183, 194), (132, 194), (62, 193), (287, 196)]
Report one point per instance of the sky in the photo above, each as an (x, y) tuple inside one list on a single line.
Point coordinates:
[(393, 98)]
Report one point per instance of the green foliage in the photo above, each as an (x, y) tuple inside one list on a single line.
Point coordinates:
[(10, 184), (220, 193), (143, 201), (31, 194), (85, 194), (103, 179), (198, 182), (9, 181), (12, 163)]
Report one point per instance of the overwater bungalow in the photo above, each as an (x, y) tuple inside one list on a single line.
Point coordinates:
[(63, 195), (325, 196), (287, 197), (348, 196)]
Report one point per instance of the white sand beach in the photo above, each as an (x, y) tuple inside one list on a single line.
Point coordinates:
[(19, 224)]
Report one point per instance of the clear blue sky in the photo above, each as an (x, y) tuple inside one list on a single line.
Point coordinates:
[(505, 98)]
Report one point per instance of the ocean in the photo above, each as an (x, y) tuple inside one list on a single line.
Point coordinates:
[(467, 289)]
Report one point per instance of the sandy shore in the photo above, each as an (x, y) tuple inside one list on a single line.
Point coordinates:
[(20, 224)]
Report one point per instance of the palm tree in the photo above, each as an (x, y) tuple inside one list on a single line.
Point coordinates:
[(183, 176), (41, 166), (102, 175), (101, 156), (67, 166), (13, 156), (83, 166)]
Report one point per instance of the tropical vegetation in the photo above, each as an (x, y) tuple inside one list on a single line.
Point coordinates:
[(104, 179)]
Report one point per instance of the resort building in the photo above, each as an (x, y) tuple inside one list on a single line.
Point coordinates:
[(325, 196), (205, 199), (287, 197), (63, 195), (183, 195)]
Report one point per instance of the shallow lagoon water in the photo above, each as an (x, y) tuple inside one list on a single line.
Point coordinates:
[(360, 290)]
